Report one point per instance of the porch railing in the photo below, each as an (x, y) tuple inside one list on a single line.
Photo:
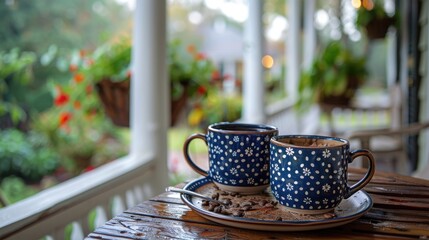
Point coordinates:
[(77, 206)]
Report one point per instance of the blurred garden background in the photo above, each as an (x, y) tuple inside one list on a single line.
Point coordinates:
[(56, 120)]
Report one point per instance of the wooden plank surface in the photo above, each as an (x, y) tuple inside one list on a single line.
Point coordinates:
[(400, 211)]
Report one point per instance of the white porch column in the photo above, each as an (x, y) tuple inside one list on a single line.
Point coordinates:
[(149, 88), (292, 48), (391, 58), (253, 84), (309, 33), (424, 137)]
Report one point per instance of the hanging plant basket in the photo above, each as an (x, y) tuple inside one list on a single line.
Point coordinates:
[(377, 28), (344, 99), (177, 107), (115, 97)]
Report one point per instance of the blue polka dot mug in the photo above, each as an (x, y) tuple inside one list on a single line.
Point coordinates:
[(308, 173), (239, 156)]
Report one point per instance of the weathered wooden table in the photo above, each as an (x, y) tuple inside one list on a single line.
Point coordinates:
[(400, 211)]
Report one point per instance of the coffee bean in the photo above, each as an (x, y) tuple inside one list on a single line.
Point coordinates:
[(227, 201), (269, 205), (217, 209), (329, 215), (263, 202), (238, 213), (278, 218), (246, 204), (211, 208), (246, 208), (204, 203), (223, 193), (215, 196), (214, 204)]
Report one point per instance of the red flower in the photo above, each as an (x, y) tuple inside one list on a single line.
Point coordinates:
[(61, 99), (77, 105), (82, 53), (191, 49), (64, 118), (215, 75), (72, 67), (201, 90), (78, 77), (200, 56), (89, 168), (88, 89)]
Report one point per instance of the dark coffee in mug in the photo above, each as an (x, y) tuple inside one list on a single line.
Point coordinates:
[(308, 173)]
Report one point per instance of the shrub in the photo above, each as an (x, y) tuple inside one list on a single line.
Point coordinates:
[(26, 155)]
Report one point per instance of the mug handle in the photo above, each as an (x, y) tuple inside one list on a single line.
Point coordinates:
[(371, 170), (188, 157)]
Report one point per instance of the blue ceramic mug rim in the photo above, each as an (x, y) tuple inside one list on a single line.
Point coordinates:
[(276, 140), (228, 128)]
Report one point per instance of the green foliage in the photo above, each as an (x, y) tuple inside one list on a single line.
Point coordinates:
[(76, 126), (191, 69), (26, 155), (80, 138), (329, 74), (16, 65), (110, 61), (187, 68), (15, 70), (14, 189), (78, 24), (178, 135), (216, 108), (370, 11)]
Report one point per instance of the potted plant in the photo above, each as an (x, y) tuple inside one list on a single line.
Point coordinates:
[(372, 16), (190, 75), (333, 78), (75, 125)]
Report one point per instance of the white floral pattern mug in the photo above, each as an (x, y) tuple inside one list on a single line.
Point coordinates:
[(308, 173), (239, 156)]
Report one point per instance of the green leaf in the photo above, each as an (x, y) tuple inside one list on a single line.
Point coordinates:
[(16, 114)]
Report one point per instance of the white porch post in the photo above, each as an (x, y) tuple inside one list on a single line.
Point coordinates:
[(391, 58), (253, 84), (309, 33), (292, 48), (424, 137), (149, 88)]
